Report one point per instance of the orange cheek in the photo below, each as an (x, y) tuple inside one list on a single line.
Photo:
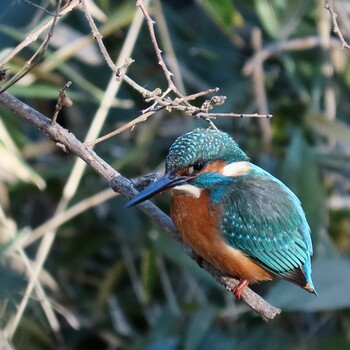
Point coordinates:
[(215, 167)]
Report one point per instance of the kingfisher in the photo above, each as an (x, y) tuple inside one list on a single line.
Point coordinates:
[(234, 214)]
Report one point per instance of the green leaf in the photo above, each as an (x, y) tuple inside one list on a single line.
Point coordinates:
[(280, 17), (13, 167), (148, 271), (224, 13), (334, 130)]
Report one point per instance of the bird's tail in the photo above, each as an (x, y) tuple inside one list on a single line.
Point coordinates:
[(310, 288)]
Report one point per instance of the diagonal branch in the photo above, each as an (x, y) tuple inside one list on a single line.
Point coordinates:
[(159, 99), (125, 187), (336, 28), (161, 62), (36, 57)]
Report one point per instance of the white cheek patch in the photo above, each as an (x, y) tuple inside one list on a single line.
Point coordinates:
[(189, 189), (237, 169)]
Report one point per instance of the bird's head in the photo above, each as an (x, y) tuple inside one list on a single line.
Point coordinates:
[(192, 158)]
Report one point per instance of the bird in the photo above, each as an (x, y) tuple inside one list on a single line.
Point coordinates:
[(235, 215)]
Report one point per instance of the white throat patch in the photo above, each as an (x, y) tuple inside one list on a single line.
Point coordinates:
[(237, 169), (189, 189)]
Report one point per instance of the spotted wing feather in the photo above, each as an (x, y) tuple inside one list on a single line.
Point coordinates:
[(265, 220)]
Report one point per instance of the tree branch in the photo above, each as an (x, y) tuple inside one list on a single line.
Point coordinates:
[(336, 28), (160, 100), (65, 139)]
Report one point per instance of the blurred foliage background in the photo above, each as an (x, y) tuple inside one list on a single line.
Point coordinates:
[(111, 278)]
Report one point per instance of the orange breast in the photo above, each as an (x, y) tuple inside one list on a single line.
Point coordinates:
[(198, 225)]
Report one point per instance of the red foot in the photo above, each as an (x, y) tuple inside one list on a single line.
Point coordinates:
[(239, 288)]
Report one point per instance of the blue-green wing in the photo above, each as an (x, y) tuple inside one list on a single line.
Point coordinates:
[(264, 219)]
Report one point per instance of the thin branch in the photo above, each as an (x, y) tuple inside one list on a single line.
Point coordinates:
[(58, 220), (238, 115), (34, 36), (204, 115), (258, 78), (142, 118), (78, 168), (63, 101), (119, 71), (160, 99), (5, 343), (39, 7), (253, 300), (125, 187), (167, 43), (98, 36), (329, 93), (33, 275), (336, 28), (37, 56), (271, 50), (196, 95), (42, 298), (158, 51)]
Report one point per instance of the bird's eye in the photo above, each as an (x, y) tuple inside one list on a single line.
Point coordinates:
[(195, 168), (198, 166)]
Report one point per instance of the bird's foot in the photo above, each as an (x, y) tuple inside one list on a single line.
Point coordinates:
[(237, 290)]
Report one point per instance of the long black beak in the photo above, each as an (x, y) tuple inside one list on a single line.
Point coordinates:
[(164, 183)]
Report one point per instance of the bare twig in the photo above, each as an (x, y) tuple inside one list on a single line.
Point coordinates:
[(124, 187), (5, 343), (142, 118), (159, 99), (158, 51), (283, 46), (39, 7), (3, 72), (258, 78), (119, 71), (329, 93), (253, 300), (34, 36), (63, 101), (238, 115), (97, 35), (37, 56), (167, 44), (204, 115), (196, 95), (51, 316), (336, 28), (12, 323)]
